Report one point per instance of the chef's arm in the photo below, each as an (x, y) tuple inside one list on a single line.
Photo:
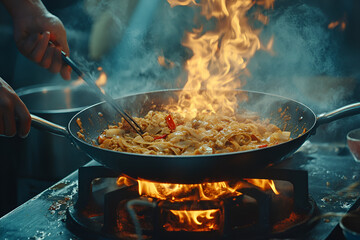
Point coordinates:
[(34, 27), (14, 116)]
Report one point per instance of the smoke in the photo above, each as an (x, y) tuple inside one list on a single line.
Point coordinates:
[(154, 29), (126, 38), (305, 65)]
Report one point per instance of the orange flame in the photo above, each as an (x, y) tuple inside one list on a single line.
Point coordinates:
[(184, 192), (266, 3), (123, 180), (165, 62), (174, 3), (262, 18), (333, 25), (341, 24), (190, 219), (67, 92), (77, 82), (102, 80), (264, 184), (269, 46), (195, 220), (219, 56), (203, 191)]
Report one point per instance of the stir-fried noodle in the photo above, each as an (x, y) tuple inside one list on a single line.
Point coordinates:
[(171, 134)]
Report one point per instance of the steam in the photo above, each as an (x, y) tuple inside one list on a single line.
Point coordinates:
[(305, 64), (306, 61), (152, 32), (306, 53)]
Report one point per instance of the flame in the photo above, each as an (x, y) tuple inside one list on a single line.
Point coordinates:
[(262, 18), (269, 46), (67, 92), (124, 181), (165, 62), (203, 191), (219, 56), (185, 192), (264, 184), (194, 220), (341, 24), (174, 3), (77, 82), (266, 3), (102, 80), (333, 25)]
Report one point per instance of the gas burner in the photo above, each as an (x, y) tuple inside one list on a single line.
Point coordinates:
[(110, 206)]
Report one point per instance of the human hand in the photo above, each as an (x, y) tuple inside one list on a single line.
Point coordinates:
[(14, 116), (34, 27)]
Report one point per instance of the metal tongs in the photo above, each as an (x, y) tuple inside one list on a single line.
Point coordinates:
[(102, 94)]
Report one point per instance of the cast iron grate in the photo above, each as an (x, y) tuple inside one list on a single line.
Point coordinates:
[(114, 215)]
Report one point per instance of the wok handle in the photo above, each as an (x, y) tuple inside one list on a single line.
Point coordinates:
[(43, 124), (346, 111)]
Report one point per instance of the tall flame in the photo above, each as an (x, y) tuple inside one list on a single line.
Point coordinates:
[(219, 56)]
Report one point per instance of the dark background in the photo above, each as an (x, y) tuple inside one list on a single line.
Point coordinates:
[(312, 64)]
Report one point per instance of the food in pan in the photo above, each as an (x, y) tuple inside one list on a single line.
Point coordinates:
[(172, 134)]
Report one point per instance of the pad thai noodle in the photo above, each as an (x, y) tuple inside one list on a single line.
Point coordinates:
[(171, 134)]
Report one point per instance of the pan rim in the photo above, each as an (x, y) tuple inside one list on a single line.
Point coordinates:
[(193, 156)]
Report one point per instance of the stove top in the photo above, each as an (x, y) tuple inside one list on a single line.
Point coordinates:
[(334, 184)]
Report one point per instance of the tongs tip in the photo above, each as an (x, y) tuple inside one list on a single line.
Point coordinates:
[(106, 97)]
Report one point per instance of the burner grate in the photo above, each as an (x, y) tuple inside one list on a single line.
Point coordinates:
[(255, 213)]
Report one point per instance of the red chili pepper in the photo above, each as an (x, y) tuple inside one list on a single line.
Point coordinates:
[(170, 122), (160, 137), (263, 146), (101, 138)]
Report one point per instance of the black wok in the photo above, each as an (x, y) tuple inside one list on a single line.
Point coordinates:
[(288, 114)]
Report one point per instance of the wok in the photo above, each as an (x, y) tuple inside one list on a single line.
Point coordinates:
[(287, 114)]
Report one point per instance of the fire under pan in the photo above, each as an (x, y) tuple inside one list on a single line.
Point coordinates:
[(106, 210)]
